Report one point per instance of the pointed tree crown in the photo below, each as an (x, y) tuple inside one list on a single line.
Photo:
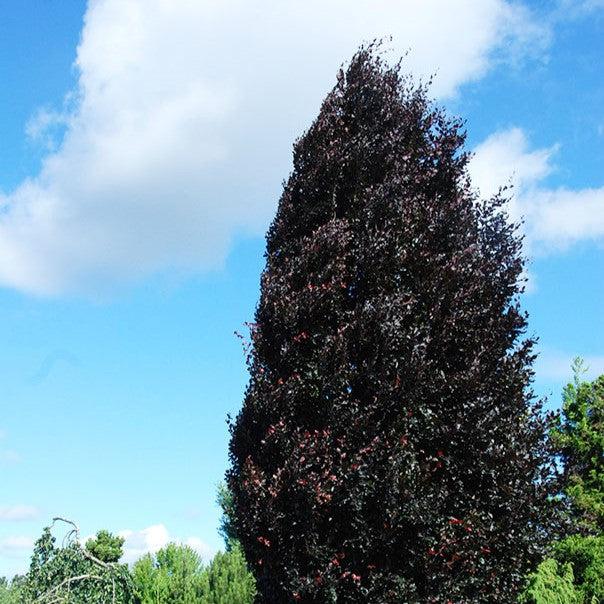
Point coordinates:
[(388, 448)]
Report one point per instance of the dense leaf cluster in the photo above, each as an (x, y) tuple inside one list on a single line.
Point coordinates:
[(585, 554), (106, 546), (580, 440), (10, 590), (176, 575), (66, 574), (551, 583), (574, 572), (228, 579), (389, 449)]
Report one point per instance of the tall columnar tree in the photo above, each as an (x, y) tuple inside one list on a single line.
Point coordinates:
[(389, 448), (224, 498)]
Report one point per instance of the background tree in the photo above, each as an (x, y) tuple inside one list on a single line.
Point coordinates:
[(71, 574), (9, 591), (227, 579), (224, 498), (552, 583), (573, 573), (176, 575), (389, 448), (580, 441), (173, 575), (578, 560), (149, 586)]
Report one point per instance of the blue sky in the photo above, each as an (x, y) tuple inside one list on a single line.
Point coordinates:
[(142, 149)]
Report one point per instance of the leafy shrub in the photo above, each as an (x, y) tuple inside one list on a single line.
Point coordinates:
[(173, 575), (586, 556), (552, 583), (9, 592)]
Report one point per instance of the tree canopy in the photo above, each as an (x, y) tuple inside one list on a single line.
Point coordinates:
[(105, 546), (579, 438), (574, 570), (389, 448), (72, 574), (177, 575)]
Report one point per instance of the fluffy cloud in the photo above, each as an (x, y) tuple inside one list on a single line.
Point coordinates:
[(18, 512), (180, 129), (554, 218), (154, 538)]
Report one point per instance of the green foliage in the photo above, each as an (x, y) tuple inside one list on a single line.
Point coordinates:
[(586, 556), (574, 574), (580, 441), (577, 562), (173, 576), (106, 546), (71, 574), (9, 591), (224, 498), (552, 583), (150, 586), (227, 579), (176, 575)]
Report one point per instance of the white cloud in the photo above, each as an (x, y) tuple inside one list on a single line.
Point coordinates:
[(154, 538), (18, 512), (554, 218), (185, 114), (202, 548), (504, 157)]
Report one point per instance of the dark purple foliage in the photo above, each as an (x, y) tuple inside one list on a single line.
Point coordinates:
[(389, 449)]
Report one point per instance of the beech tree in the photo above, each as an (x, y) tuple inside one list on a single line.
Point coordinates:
[(389, 448)]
